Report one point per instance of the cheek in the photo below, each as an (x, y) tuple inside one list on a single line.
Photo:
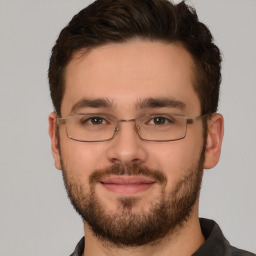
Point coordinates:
[(176, 157), (80, 159)]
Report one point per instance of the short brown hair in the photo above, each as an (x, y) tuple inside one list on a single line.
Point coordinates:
[(106, 21)]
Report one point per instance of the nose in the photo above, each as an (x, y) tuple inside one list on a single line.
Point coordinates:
[(126, 147)]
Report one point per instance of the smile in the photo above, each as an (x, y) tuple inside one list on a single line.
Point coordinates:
[(127, 185)]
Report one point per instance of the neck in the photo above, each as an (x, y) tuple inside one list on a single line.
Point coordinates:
[(183, 242)]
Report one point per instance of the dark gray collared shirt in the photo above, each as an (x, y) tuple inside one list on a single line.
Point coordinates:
[(215, 243)]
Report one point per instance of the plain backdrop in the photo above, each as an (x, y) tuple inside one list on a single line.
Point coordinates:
[(36, 217)]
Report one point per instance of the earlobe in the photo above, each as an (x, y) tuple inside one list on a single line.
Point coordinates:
[(214, 141), (54, 140)]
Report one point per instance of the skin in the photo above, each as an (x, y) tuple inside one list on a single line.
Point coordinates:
[(126, 73)]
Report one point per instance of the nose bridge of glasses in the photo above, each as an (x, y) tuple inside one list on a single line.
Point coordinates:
[(126, 121)]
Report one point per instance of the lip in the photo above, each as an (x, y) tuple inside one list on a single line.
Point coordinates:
[(127, 185)]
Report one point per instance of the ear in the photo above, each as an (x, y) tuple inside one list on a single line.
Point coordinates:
[(54, 140), (214, 141)]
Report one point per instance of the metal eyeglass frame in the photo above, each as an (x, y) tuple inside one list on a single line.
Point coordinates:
[(62, 121)]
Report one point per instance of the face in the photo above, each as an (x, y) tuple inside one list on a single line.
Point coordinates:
[(128, 182)]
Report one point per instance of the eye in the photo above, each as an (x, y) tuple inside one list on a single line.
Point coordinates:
[(93, 120), (96, 120), (160, 120)]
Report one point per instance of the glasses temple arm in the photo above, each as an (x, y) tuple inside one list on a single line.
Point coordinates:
[(60, 121), (192, 120)]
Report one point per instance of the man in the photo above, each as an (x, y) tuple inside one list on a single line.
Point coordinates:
[(135, 87)]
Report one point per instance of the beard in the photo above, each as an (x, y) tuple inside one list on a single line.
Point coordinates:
[(127, 227)]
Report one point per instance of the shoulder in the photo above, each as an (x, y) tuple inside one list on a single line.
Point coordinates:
[(216, 243), (238, 252)]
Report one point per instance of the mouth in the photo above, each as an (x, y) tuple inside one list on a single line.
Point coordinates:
[(127, 185)]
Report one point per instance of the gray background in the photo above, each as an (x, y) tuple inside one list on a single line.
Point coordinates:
[(36, 217)]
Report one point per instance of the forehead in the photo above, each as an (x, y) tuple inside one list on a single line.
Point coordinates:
[(129, 72)]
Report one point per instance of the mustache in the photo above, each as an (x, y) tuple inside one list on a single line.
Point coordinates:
[(127, 169)]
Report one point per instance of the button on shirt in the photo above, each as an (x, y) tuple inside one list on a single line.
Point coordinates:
[(215, 243)]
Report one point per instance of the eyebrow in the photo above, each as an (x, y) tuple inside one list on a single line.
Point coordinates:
[(92, 103), (147, 103), (151, 103)]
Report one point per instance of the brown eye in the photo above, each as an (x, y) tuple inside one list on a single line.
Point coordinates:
[(93, 120), (158, 120), (96, 120)]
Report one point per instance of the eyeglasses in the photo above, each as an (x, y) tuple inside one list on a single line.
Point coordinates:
[(103, 127)]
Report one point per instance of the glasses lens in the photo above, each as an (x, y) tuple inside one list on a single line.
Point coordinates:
[(89, 127), (163, 127)]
